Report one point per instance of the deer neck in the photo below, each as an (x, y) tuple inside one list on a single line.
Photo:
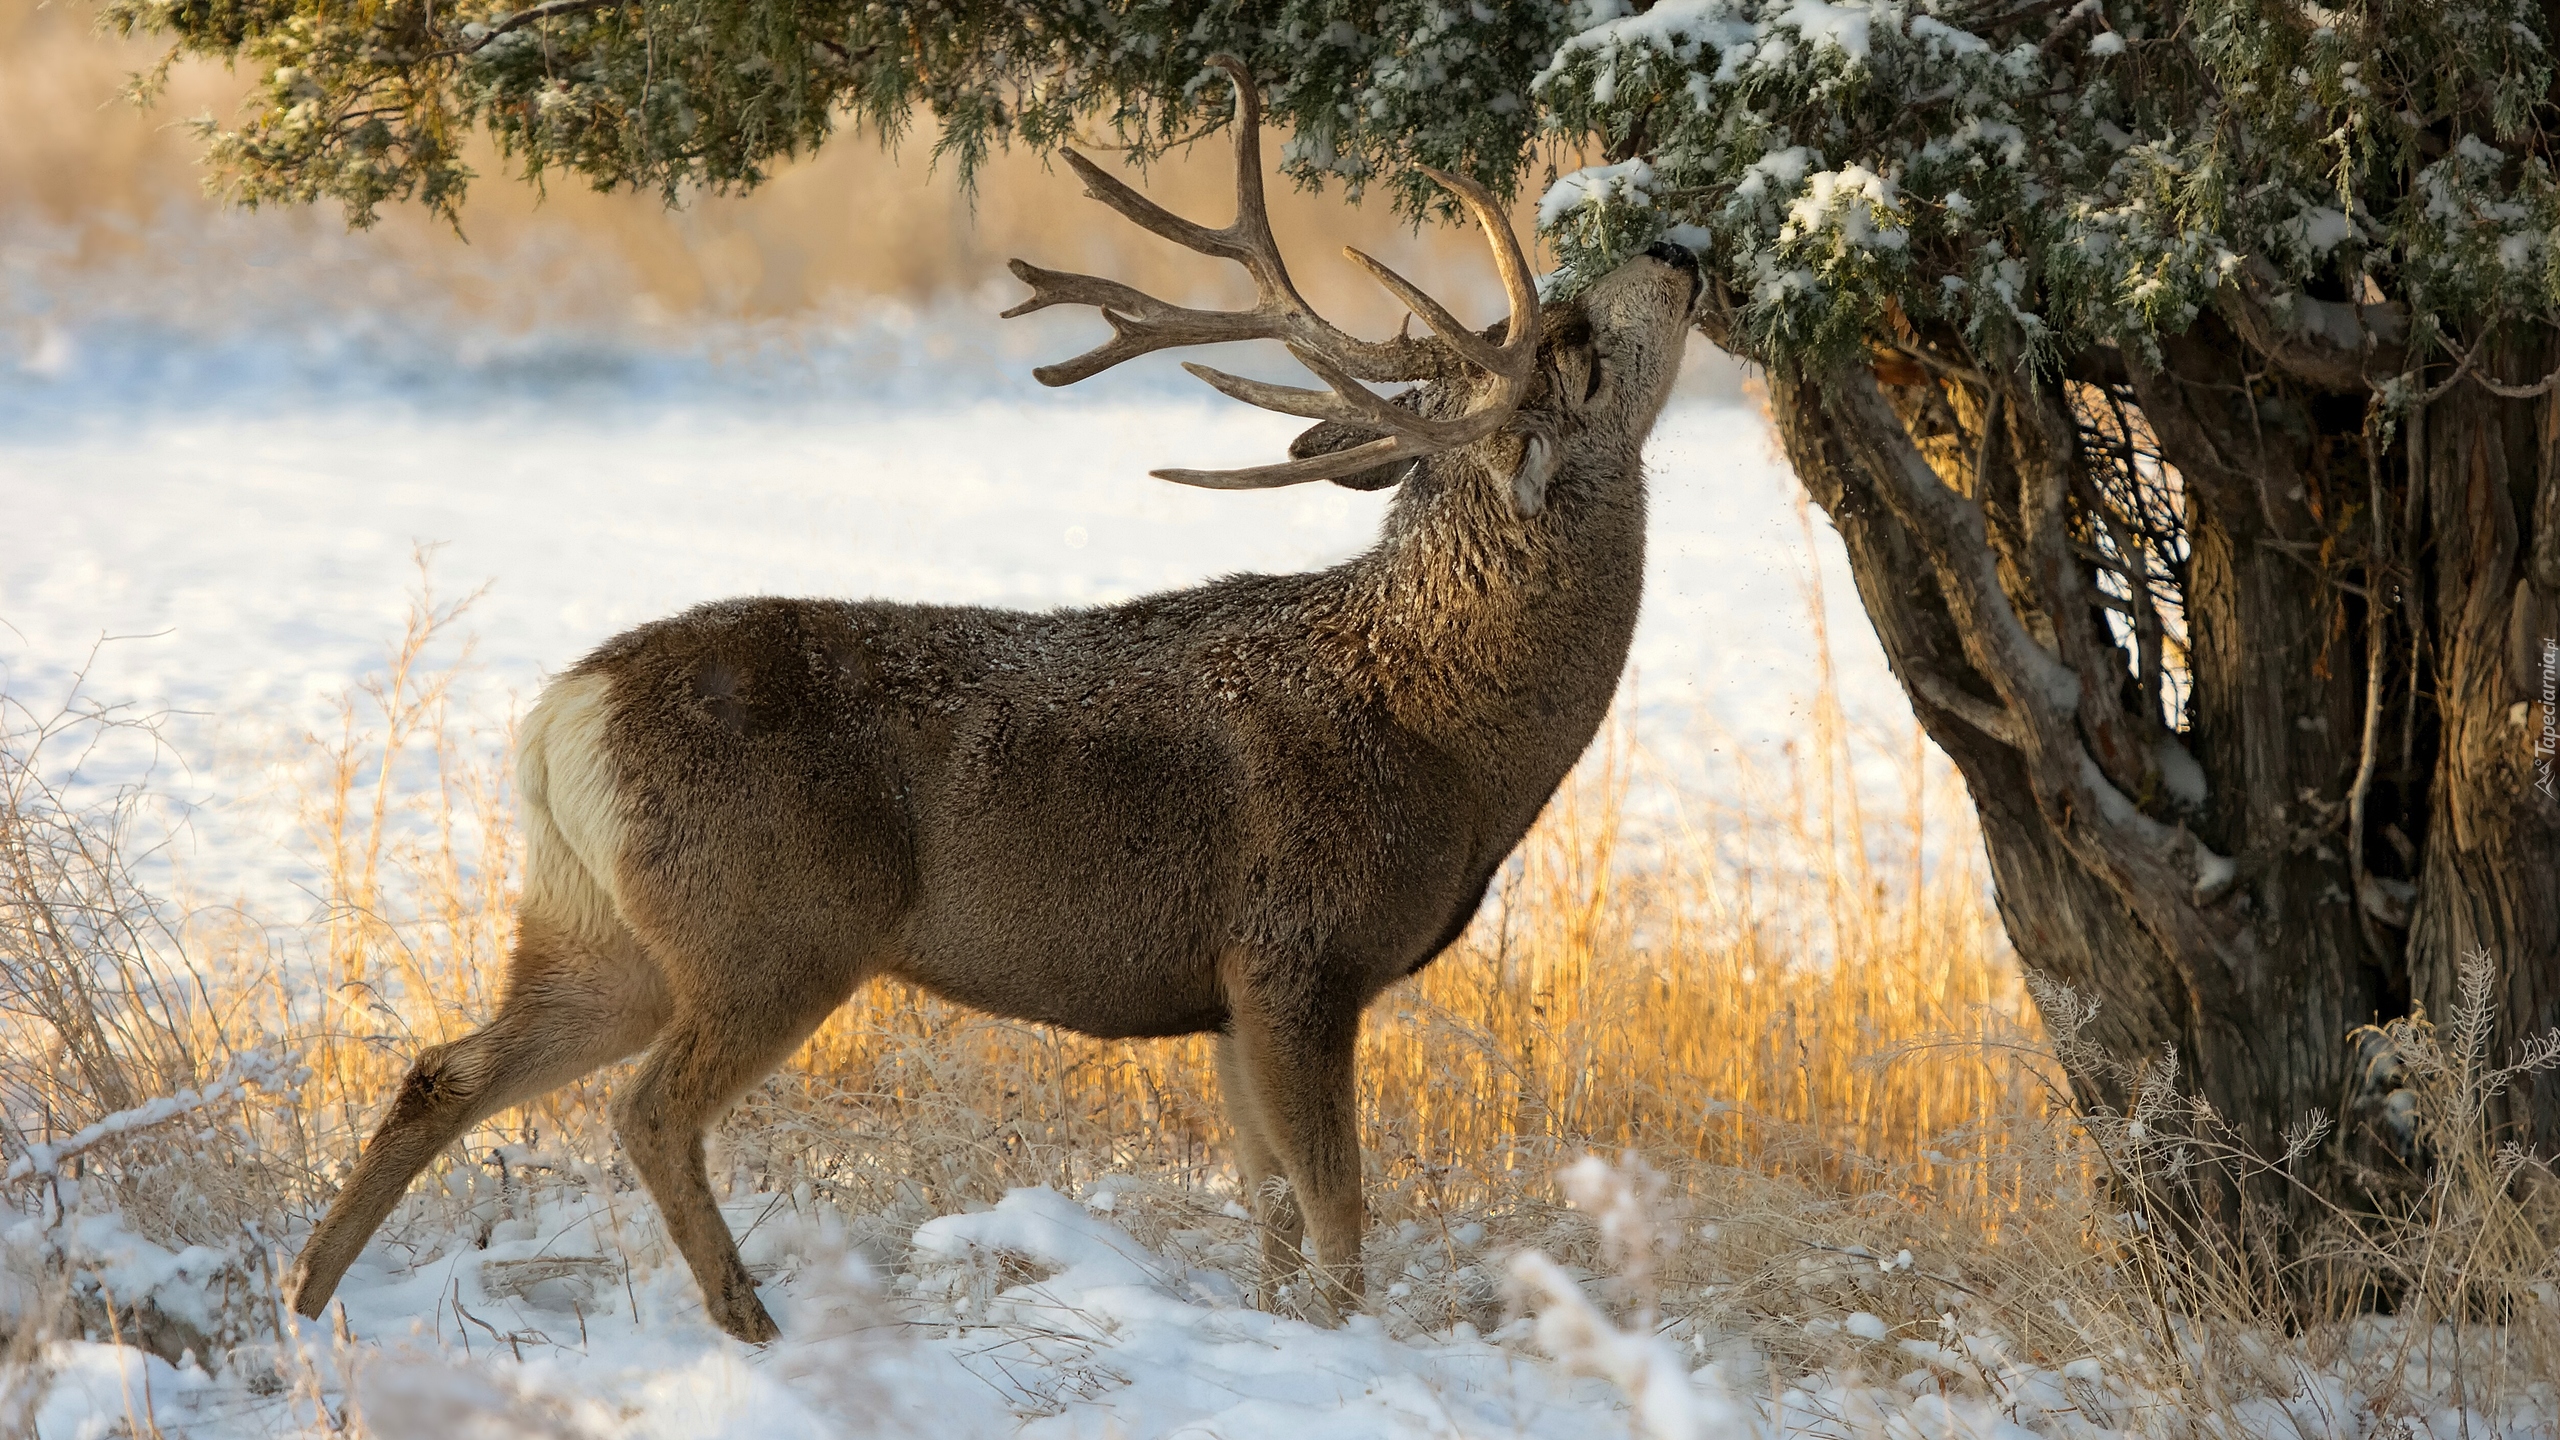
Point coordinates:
[(1499, 638)]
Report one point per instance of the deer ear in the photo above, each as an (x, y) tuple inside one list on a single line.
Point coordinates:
[(1529, 479), (1329, 436)]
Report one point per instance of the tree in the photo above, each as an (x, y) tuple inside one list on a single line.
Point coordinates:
[(2181, 377)]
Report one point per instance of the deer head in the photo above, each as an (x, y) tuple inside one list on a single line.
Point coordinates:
[(1516, 396)]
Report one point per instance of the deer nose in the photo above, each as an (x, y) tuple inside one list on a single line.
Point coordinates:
[(1672, 253)]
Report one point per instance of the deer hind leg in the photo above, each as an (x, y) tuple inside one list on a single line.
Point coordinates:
[(717, 1045), (1295, 1054), (1266, 1188), (570, 1006)]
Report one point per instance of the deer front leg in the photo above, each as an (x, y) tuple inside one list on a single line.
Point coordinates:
[(1294, 1052), (1265, 1179)]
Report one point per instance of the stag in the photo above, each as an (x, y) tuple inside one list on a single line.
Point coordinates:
[(1242, 809)]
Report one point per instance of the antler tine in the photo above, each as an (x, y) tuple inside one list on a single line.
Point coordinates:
[(1519, 286), (1409, 437), (1511, 365), (1066, 287), (1472, 347), (1258, 250), (1141, 323), (1102, 185), (1247, 238), (1373, 409), (1299, 472), (1251, 228), (1127, 342), (1348, 401)]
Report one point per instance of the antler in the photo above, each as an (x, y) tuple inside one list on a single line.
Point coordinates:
[(1141, 323)]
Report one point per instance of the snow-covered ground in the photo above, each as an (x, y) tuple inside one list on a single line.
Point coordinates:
[(1044, 1316), (1040, 1317)]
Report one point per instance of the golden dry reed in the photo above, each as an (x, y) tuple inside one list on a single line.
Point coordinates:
[(1723, 972)]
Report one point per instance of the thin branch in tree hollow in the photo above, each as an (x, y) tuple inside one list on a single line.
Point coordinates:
[(506, 24), (2374, 629), (2464, 368)]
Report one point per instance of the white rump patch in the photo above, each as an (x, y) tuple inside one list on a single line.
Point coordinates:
[(572, 809)]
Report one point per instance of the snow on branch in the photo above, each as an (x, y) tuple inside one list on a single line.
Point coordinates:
[(2044, 178), (263, 1069)]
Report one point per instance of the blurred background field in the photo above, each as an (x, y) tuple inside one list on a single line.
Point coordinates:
[(109, 252)]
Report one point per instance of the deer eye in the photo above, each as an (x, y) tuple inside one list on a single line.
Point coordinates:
[(1598, 372)]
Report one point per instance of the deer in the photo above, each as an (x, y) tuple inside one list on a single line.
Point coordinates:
[(1242, 809)]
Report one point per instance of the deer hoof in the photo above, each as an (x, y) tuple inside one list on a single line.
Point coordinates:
[(745, 1317), (301, 1295)]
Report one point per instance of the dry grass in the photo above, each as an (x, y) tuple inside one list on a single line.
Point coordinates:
[(1660, 1002), (87, 953), (1804, 1017)]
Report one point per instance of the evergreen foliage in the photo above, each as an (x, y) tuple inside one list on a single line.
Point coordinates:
[(2039, 175), (2047, 176), (368, 101)]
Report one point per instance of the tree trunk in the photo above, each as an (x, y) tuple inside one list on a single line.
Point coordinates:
[(2485, 484), (2353, 840)]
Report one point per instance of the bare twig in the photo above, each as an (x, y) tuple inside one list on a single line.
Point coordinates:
[(2463, 368), (534, 14)]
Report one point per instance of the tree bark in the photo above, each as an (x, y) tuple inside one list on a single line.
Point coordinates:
[(2274, 720), (2486, 487), (2368, 616)]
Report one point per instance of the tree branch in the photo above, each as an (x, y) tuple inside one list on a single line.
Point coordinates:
[(2124, 747), (532, 14), (2161, 873), (2233, 470), (2334, 345), (2376, 626), (2135, 570), (2463, 367), (1982, 715)]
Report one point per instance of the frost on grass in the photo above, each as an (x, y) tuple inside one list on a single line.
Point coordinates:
[(1045, 1317)]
